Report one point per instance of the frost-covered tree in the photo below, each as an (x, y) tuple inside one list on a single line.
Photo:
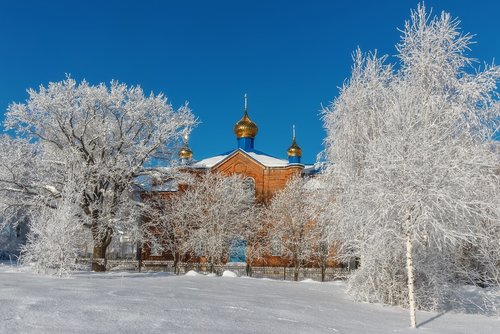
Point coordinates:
[(290, 223), (54, 241), (480, 258), (257, 243), (320, 203), (20, 158), (167, 225), (209, 217), (412, 153), (12, 238), (99, 138)]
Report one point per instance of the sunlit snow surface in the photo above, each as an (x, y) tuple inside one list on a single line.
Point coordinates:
[(121, 302)]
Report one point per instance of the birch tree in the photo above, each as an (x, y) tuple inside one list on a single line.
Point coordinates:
[(411, 149), (321, 205), (98, 137)]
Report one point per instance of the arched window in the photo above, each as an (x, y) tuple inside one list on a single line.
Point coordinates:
[(250, 184)]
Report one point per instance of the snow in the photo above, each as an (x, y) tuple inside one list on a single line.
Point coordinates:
[(209, 162), (308, 280), (262, 158), (229, 273), (268, 160), (52, 189), (123, 302)]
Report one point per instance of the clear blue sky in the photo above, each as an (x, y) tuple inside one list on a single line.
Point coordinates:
[(289, 56)]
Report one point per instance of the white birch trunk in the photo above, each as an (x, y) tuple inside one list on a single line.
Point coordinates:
[(411, 278)]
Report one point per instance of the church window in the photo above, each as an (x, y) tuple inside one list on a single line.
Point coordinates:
[(250, 184)]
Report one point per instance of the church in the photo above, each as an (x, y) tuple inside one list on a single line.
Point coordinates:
[(267, 173), (263, 173)]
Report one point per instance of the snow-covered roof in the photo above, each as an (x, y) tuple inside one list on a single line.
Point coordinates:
[(262, 158), (268, 160), (312, 169), (208, 162)]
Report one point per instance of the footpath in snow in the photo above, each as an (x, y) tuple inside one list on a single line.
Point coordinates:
[(123, 302)]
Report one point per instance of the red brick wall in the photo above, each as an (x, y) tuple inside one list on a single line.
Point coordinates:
[(268, 180)]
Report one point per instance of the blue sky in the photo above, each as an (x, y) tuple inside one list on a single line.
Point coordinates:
[(290, 57)]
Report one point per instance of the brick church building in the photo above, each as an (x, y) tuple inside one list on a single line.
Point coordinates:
[(265, 173)]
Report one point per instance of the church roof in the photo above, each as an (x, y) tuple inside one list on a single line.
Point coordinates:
[(246, 131), (262, 158)]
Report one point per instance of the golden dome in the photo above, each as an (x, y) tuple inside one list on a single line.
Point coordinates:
[(245, 127), (294, 150), (185, 152)]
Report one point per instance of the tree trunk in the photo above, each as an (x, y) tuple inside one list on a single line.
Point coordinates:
[(101, 243), (138, 256), (176, 264), (181, 262), (296, 267), (323, 271), (99, 257), (211, 266), (411, 279)]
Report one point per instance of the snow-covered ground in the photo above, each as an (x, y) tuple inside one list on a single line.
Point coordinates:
[(121, 302)]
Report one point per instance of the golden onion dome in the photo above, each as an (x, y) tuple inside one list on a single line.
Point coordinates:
[(245, 128), (185, 152), (294, 150)]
